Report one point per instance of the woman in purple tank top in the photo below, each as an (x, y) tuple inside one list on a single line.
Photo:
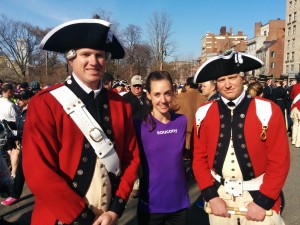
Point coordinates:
[(163, 195)]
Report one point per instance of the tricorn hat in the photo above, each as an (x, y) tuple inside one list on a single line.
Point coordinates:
[(221, 65), (83, 33)]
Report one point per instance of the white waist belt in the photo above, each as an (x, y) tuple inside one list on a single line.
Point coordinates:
[(236, 187), (103, 147)]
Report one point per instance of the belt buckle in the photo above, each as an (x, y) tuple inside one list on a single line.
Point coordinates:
[(95, 134), (233, 187)]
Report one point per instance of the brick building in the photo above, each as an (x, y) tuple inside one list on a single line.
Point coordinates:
[(213, 44), (268, 45)]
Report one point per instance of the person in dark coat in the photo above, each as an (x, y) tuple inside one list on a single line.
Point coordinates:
[(137, 98)]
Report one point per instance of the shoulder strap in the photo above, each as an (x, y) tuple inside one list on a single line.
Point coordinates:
[(296, 99), (263, 112), (103, 147)]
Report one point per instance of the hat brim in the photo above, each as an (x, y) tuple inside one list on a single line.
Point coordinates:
[(219, 66), (83, 33)]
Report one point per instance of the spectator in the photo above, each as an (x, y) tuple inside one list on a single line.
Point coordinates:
[(23, 100), (8, 112), (107, 81), (187, 103), (209, 90), (137, 98), (255, 89)]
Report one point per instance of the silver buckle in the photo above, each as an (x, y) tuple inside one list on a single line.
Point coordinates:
[(95, 134), (233, 187)]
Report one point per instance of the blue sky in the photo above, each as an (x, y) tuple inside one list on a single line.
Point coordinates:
[(191, 19)]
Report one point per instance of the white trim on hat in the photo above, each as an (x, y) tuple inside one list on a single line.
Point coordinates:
[(54, 30)]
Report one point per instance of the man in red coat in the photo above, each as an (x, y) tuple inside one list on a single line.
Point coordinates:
[(71, 184), (241, 150)]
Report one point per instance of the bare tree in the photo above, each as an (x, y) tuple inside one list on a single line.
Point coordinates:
[(132, 39), (17, 43), (107, 16), (159, 31)]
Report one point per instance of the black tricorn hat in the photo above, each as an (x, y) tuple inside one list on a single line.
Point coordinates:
[(83, 33), (221, 65)]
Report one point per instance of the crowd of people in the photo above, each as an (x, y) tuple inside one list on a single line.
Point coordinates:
[(96, 140)]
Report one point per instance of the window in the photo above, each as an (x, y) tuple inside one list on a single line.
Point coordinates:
[(292, 68), (272, 65), (273, 54), (287, 68), (289, 31), (293, 54), (294, 29), (290, 18), (290, 4), (295, 16), (288, 44), (287, 56), (265, 33), (295, 3), (293, 42)]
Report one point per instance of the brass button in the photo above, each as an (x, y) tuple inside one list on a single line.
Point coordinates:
[(79, 172), (84, 215), (121, 200), (85, 159), (76, 223), (240, 125), (242, 115), (221, 116), (108, 131), (105, 106), (87, 145), (222, 125), (75, 185), (106, 118)]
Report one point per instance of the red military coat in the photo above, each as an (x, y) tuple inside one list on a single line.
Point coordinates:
[(271, 157), (52, 147)]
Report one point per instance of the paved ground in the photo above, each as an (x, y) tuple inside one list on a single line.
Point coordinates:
[(21, 211)]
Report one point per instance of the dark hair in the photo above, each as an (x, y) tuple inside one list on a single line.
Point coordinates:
[(107, 78), (155, 76), (7, 86), (190, 82)]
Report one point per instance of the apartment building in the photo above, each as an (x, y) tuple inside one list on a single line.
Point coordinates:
[(291, 61), (268, 45), (213, 44)]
